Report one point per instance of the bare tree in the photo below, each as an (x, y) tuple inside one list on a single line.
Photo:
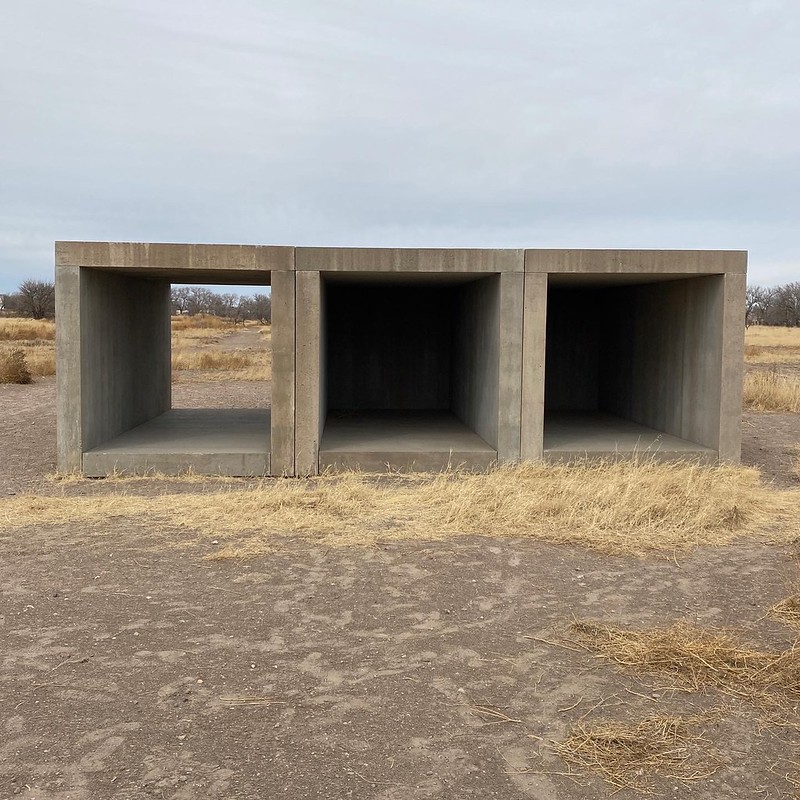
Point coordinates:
[(179, 298), (37, 299)]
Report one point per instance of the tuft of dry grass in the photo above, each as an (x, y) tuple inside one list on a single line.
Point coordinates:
[(772, 336), (211, 359), (769, 390), (13, 367), (629, 755), (623, 508), (17, 329), (697, 658), (788, 611)]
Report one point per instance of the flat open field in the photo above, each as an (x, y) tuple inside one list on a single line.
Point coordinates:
[(403, 663)]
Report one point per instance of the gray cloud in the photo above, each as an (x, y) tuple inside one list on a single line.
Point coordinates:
[(634, 123)]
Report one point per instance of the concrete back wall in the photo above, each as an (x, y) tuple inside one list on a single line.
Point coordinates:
[(388, 347), (125, 353), (476, 357)]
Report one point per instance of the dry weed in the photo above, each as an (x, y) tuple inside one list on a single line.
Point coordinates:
[(211, 359), (622, 508), (769, 390), (13, 367), (697, 658), (788, 611), (16, 329), (629, 755)]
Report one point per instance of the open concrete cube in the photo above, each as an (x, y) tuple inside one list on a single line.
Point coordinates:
[(641, 353), (408, 359), (114, 376)]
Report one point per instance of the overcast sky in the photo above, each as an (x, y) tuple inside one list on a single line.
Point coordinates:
[(502, 123)]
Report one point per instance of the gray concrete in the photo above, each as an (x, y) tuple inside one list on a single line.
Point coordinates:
[(409, 342), (413, 440), (113, 342), (652, 336), (207, 441), (498, 340), (573, 435)]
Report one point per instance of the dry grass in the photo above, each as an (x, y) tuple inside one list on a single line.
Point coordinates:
[(622, 508), (697, 658), (13, 329), (184, 322), (771, 345), (211, 359), (630, 754), (788, 611), (13, 367), (769, 390), (772, 336), (34, 339)]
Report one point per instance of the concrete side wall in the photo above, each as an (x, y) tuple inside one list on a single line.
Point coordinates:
[(662, 357), (365, 259), (636, 261), (533, 366), (476, 357), (125, 353), (388, 347), (283, 373), (730, 421), (69, 429), (309, 409)]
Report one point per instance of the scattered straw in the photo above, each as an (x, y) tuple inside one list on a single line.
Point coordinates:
[(787, 611), (631, 755), (697, 658)]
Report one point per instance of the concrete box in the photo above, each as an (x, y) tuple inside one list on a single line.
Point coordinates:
[(632, 351), (408, 358), (113, 353)]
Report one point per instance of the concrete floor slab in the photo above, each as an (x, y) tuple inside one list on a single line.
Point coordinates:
[(421, 441), (571, 435), (208, 441)]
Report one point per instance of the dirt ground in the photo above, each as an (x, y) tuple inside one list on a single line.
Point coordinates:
[(133, 671)]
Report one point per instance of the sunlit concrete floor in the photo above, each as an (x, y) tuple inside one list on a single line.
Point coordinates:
[(207, 441), (571, 435), (375, 441)]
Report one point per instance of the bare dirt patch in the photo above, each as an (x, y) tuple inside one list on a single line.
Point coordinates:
[(403, 669)]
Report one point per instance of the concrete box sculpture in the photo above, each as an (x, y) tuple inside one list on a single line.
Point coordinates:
[(408, 358)]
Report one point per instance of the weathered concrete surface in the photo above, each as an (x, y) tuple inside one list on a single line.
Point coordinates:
[(185, 263), (207, 441), (420, 441), (356, 259), (574, 435), (284, 304), (113, 336), (497, 337), (674, 263)]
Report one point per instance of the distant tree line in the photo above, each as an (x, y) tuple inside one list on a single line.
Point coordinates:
[(193, 300), (779, 305), (35, 299)]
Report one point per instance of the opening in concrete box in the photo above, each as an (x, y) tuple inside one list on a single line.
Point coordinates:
[(633, 365), (409, 371), (192, 375)]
